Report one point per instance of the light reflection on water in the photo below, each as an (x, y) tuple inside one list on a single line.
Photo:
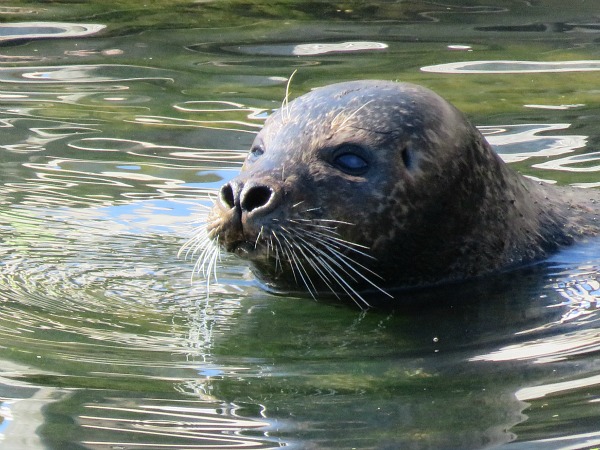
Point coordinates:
[(108, 73), (311, 49), (107, 169), (91, 311), (189, 424), (516, 143), (33, 30), (489, 67)]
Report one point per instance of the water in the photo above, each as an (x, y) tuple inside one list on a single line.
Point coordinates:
[(118, 122)]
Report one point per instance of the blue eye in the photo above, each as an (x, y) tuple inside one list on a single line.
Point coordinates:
[(350, 162), (256, 151)]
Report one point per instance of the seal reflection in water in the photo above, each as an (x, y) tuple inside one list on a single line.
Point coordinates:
[(371, 186)]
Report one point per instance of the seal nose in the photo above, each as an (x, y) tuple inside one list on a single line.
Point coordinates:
[(230, 194), (255, 197), (247, 198)]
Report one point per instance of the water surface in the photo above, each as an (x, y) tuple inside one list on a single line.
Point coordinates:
[(119, 123)]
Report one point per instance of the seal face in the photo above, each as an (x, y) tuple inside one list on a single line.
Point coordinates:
[(373, 186)]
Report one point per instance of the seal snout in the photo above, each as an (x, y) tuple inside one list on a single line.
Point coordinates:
[(250, 199), (243, 209)]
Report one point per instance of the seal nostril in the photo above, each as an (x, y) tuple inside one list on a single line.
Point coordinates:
[(255, 197), (227, 196)]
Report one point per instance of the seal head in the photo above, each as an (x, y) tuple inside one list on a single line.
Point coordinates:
[(374, 185)]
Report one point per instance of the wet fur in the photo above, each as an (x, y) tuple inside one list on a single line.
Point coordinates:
[(437, 205)]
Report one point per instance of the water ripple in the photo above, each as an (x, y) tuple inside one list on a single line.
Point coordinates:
[(546, 350), (516, 143), (480, 67), (210, 106), (214, 124), (37, 30), (588, 162), (300, 49), (200, 424), (100, 73)]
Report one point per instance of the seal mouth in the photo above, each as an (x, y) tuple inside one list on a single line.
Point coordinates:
[(244, 249)]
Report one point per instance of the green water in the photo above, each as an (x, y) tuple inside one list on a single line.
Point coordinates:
[(119, 120)]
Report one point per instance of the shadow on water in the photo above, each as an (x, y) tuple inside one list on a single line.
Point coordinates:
[(116, 134)]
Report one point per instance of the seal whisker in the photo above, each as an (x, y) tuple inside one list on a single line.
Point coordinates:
[(317, 223), (199, 236), (206, 264), (304, 222), (212, 267), (334, 243), (324, 254), (347, 118), (478, 217), (284, 251), (344, 285), (342, 222), (275, 250), (313, 263), (258, 237), (319, 266), (205, 255), (201, 243), (332, 246), (349, 262), (322, 268), (285, 104), (322, 257), (302, 272), (340, 259), (341, 243), (328, 232)]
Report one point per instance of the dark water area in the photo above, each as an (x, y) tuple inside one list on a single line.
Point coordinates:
[(119, 122)]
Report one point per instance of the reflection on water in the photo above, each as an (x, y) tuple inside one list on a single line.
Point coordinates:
[(81, 74), (516, 143), (185, 424), (514, 67), (33, 30), (541, 391), (309, 49), (39, 30), (556, 348), (589, 162), (108, 167)]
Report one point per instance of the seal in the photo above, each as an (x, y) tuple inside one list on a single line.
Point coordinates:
[(373, 186)]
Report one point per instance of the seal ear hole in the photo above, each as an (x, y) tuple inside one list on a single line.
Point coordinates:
[(407, 158)]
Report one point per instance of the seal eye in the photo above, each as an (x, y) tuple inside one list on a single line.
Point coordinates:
[(256, 151), (350, 162)]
